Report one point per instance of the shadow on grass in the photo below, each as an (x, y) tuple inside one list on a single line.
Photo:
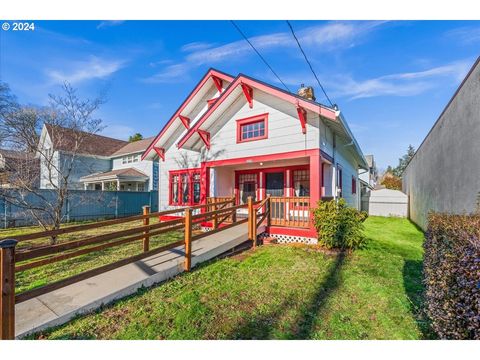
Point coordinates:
[(263, 326), (414, 289)]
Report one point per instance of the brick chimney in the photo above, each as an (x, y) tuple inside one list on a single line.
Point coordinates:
[(306, 92)]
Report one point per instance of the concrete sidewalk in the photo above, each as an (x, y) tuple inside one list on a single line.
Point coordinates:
[(59, 306)]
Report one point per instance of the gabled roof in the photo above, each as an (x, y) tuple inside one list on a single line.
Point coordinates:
[(175, 121), (134, 147), (120, 173), (242, 79), (92, 144)]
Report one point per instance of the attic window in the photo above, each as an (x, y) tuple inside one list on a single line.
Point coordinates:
[(252, 128)]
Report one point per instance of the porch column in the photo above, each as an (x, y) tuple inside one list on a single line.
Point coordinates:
[(103, 186), (118, 185), (204, 183), (315, 178), (261, 186), (85, 186)]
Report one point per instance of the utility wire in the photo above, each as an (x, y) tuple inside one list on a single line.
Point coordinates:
[(308, 62), (261, 57)]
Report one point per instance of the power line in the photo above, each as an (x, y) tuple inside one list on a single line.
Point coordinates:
[(308, 62), (261, 57)]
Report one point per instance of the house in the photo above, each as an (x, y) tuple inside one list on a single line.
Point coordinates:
[(18, 165), (240, 137), (368, 178), (444, 173), (100, 162)]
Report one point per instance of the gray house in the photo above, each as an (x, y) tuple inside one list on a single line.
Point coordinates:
[(100, 162), (444, 174)]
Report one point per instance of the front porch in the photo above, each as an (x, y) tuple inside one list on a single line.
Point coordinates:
[(294, 185), (128, 179)]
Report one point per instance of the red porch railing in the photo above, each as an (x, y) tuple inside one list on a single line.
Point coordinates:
[(290, 211)]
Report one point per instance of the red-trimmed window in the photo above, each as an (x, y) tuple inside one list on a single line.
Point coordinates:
[(354, 185), (252, 128), (301, 182), (340, 180), (184, 187), (247, 186)]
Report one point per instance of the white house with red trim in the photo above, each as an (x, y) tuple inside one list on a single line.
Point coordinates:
[(242, 137)]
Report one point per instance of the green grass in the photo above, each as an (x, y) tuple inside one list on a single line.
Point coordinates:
[(280, 292), (37, 277)]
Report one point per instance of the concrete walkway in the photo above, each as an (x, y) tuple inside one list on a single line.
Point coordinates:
[(59, 306)]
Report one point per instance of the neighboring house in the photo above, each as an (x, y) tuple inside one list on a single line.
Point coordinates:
[(444, 173), (100, 163), (240, 137), (18, 165), (128, 171), (368, 178)]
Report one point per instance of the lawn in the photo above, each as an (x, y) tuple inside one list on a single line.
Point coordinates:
[(280, 292), (36, 277)]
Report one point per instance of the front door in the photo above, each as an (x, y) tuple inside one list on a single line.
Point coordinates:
[(274, 185)]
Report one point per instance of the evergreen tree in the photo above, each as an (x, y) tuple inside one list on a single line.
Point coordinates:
[(403, 161), (135, 137)]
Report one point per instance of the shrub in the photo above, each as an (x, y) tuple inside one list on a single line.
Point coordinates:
[(452, 275), (338, 225)]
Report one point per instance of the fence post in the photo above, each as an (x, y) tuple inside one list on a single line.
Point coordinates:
[(7, 289), (188, 239), (254, 227), (250, 218), (146, 221), (234, 214), (268, 210), (215, 216)]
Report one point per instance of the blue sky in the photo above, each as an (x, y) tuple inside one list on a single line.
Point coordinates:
[(390, 79)]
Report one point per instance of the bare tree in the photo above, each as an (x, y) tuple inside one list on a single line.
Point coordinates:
[(185, 160), (71, 124)]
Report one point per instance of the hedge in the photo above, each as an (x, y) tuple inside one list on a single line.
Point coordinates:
[(452, 275)]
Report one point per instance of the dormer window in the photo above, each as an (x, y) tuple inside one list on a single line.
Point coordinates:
[(252, 128)]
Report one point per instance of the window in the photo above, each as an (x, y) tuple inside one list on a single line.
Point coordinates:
[(252, 128), (185, 187), (301, 182), (196, 188), (130, 159), (339, 180), (247, 186), (354, 185)]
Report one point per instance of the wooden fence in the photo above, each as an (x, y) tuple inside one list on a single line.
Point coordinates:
[(12, 261)]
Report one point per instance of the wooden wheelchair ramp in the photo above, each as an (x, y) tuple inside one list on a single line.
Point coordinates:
[(60, 305)]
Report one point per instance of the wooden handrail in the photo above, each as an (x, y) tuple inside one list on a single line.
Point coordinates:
[(53, 249), (96, 225), (51, 260)]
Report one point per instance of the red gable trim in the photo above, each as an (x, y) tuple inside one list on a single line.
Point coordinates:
[(160, 152), (243, 80), (210, 74)]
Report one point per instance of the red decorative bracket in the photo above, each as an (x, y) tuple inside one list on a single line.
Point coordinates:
[(211, 101), (205, 136), (160, 152), (248, 92), (185, 120), (302, 115), (218, 83)]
